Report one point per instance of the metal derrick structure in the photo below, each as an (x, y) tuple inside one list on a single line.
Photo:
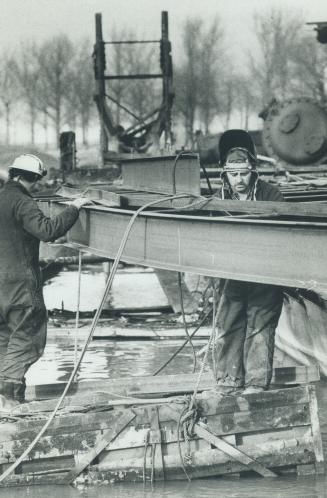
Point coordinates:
[(156, 122)]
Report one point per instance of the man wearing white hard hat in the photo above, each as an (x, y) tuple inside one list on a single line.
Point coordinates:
[(250, 311), (23, 317)]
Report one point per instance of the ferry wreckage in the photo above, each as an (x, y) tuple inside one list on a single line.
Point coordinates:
[(162, 427)]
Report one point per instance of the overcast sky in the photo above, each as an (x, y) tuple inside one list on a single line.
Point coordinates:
[(38, 19), (26, 20)]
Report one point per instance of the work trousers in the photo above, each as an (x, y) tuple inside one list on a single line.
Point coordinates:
[(23, 326), (246, 325)]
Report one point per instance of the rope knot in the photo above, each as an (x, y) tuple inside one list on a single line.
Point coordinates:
[(188, 421)]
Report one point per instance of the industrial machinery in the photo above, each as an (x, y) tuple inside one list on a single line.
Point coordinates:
[(146, 130), (295, 133)]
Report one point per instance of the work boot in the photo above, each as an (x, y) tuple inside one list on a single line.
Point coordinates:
[(223, 390), (253, 390), (7, 389), (7, 401), (19, 391)]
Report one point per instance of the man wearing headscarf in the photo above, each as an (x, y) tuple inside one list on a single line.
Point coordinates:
[(250, 311)]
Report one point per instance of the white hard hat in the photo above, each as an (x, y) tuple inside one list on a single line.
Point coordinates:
[(28, 162)]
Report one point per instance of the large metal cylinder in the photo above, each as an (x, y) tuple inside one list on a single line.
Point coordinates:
[(295, 132)]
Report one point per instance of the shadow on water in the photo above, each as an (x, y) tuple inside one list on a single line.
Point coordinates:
[(302, 487)]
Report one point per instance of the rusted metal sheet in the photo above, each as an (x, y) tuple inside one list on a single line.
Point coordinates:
[(285, 253)]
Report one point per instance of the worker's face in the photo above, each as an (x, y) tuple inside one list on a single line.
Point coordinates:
[(239, 179)]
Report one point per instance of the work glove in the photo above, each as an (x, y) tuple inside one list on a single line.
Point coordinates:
[(80, 202)]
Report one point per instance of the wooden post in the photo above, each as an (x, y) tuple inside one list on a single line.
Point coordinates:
[(315, 427), (67, 142), (99, 70), (155, 438), (167, 76)]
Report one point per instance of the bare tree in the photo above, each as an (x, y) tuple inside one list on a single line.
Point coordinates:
[(201, 89), (141, 95), (244, 97), (187, 78), (80, 89), (9, 91), (310, 69), (272, 71), (55, 60), (116, 64), (27, 72), (214, 95)]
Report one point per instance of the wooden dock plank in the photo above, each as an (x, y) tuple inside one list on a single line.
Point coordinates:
[(211, 405), (163, 384), (259, 420)]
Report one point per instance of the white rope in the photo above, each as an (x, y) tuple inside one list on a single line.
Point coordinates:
[(212, 335), (78, 304)]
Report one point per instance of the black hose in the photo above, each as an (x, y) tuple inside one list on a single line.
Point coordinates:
[(179, 277), (184, 343)]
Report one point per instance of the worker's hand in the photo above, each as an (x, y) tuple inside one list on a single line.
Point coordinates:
[(80, 201)]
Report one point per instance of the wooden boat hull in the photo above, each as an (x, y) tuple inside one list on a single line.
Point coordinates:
[(102, 436)]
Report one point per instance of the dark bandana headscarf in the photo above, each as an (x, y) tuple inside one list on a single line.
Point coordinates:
[(234, 157)]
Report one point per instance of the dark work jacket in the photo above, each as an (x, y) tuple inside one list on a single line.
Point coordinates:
[(264, 192), (22, 226)]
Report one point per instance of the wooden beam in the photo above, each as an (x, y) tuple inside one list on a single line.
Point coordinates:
[(164, 384), (132, 76), (316, 434), (271, 405), (233, 452)]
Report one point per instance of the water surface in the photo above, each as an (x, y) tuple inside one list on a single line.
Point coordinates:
[(109, 359)]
